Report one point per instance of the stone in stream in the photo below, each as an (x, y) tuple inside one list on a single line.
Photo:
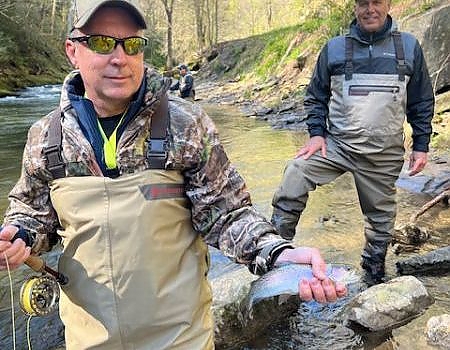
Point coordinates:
[(434, 262), (438, 331), (389, 305)]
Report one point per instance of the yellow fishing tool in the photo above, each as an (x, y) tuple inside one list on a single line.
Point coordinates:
[(39, 295)]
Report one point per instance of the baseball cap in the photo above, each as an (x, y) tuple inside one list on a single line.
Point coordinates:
[(182, 66), (85, 9)]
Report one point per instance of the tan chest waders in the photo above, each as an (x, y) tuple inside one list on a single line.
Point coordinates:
[(137, 270)]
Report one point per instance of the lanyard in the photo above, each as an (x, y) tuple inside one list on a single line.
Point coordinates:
[(109, 144)]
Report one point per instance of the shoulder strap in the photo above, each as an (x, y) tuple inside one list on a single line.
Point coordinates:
[(158, 144), (348, 57), (53, 150), (399, 54), (157, 148)]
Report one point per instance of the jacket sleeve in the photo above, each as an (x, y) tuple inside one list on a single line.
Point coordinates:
[(420, 105), (222, 211), (29, 201), (317, 96)]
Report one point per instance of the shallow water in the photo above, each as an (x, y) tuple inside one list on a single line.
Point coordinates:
[(332, 221)]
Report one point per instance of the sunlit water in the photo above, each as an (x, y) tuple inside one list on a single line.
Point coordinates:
[(332, 220)]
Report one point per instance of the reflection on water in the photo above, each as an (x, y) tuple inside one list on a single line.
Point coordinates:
[(332, 220)]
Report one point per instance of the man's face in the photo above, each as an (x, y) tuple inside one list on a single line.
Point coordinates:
[(371, 14), (109, 79), (183, 71)]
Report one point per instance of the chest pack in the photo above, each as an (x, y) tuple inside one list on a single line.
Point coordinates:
[(399, 54), (157, 145)]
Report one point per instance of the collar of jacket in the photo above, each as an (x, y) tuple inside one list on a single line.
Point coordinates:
[(87, 116), (368, 38)]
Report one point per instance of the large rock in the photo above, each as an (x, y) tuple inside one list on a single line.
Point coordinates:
[(432, 29), (389, 305)]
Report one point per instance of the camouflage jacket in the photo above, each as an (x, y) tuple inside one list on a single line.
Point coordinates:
[(221, 207)]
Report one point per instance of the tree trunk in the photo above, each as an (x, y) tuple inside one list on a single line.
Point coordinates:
[(199, 6), (168, 7), (52, 26)]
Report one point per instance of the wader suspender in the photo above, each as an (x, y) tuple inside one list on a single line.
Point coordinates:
[(348, 58), (158, 144), (52, 152), (157, 148), (399, 55)]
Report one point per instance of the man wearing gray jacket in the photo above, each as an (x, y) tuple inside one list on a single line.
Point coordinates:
[(363, 86)]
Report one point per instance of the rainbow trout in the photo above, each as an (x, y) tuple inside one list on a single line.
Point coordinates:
[(283, 280)]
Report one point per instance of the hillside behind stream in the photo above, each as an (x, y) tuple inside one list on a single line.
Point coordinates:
[(266, 75)]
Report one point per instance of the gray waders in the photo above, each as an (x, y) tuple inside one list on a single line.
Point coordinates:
[(365, 138)]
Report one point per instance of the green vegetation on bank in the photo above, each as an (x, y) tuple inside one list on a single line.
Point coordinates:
[(28, 58), (263, 56)]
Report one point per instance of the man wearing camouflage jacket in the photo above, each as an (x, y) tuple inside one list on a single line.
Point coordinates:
[(134, 209)]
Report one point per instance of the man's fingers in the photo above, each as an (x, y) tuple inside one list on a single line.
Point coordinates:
[(300, 152), (330, 291), (341, 290), (16, 253), (308, 154), (324, 151), (8, 232), (317, 291), (305, 291)]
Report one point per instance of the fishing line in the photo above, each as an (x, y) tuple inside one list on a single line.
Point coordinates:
[(12, 302), (28, 332)]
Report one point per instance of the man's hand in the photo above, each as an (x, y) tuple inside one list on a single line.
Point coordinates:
[(417, 161), (15, 252), (314, 144), (320, 287)]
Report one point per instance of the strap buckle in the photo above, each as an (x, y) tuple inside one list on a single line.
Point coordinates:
[(157, 148), (55, 161)]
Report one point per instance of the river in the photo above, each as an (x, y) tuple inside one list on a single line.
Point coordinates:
[(332, 220)]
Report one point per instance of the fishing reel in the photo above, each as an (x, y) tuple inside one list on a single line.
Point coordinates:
[(39, 295)]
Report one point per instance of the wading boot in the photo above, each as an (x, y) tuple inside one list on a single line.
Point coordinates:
[(374, 272)]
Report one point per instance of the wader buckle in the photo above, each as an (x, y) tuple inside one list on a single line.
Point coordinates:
[(54, 159), (157, 148)]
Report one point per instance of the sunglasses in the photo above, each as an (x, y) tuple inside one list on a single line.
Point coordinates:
[(104, 44)]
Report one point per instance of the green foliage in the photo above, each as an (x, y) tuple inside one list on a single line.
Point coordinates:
[(266, 51), (277, 43), (339, 18), (154, 54)]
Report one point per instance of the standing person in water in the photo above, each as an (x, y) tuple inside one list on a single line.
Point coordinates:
[(135, 183), (185, 84), (363, 86)]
